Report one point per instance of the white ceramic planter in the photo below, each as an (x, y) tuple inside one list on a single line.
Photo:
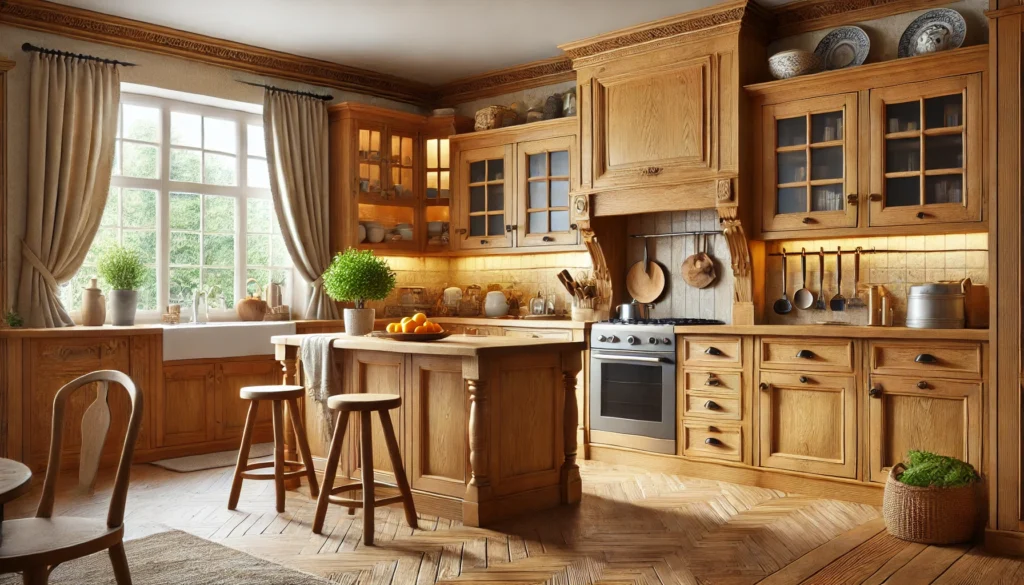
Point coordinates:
[(122, 306), (358, 321)]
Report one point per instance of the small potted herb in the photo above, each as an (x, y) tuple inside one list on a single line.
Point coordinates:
[(124, 271), (358, 276), (931, 499)]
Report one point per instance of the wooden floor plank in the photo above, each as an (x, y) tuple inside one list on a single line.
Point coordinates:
[(926, 567), (857, 565), (820, 557)]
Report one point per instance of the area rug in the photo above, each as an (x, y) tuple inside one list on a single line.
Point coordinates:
[(176, 558), (257, 453)]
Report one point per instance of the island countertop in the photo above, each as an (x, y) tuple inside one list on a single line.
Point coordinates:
[(455, 345)]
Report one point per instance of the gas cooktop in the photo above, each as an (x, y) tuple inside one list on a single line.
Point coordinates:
[(673, 322)]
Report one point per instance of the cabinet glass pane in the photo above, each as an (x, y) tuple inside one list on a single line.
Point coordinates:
[(826, 127), (827, 198), (792, 200), (407, 181), (443, 148), (496, 225), (792, 167), (477, 199), (495, 197), (903, 117), (477, 171), (538, 222), (903, 191), (432, 185), (827, 163), (496, 169), (538, 165), (944, 111), (903, 155), (792, 131), (431, 147), (559, 221), (444, 184), (944, 152), (538, 194), (944, 189), (478, 225), (396, 149), (559, 193), (560, 163), (407, 151)]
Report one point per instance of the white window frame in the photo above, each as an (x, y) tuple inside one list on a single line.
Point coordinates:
[(164, 187)]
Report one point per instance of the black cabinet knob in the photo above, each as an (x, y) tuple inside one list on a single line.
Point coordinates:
[(875, 391), (803, 379), (921, 215), (807, 220), (922, 385), (763, 386), (548, 239), (926, 358), (711, 405), (483, 242), (712, 381), (713, 351), (805, 354)]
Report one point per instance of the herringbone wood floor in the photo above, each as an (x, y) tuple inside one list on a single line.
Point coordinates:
[(632, 527)]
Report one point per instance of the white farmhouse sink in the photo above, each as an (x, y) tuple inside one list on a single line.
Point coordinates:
[(222, 339)]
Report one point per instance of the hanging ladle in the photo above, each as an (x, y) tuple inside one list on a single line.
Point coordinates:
[(803, 299), (783, 306)]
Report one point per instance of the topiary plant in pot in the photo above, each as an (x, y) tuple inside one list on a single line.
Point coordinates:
[(358, 276), (931, 499), (123, 270)]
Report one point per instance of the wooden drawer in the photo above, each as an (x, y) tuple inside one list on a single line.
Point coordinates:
[(716, 441), (713, 406), (927, 358), (711, 351), (807, 355), (564, 334), (723, 382)]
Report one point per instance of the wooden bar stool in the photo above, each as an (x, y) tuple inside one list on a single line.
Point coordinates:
[(364, 404), (278, 395)]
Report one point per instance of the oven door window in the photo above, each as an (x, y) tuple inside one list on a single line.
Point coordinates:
[(631, 391)]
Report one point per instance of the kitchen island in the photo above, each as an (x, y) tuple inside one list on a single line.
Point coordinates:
[(487, 426)]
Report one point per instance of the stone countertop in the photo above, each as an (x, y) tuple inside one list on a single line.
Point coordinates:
[(455, 345)]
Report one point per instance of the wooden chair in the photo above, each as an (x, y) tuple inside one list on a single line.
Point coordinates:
[(365, 405), (34, 546), (278, 396)]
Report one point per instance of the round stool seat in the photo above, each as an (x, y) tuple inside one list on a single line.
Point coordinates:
[(364, 402), (284, 392)]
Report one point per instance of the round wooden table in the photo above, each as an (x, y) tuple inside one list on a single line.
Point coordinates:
[(15, 480)]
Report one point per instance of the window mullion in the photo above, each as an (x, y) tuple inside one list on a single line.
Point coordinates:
[(163, 246)]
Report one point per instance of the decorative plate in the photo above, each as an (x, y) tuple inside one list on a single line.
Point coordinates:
[(414, 336), (936, 30), (846, 46)]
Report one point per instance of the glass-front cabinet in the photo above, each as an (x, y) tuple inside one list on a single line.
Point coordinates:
[(437, 202), (926, 152), (810, 164), (485, 203), (388, 192), (543, 183)]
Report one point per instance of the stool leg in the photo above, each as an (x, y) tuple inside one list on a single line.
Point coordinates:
[(279, 454), (366, 457), (243, 454), (396, 464), (330, 471), (300, 439)]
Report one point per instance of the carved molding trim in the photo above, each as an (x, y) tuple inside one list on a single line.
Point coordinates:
[(503, 81), (811, 15), (112, 30)]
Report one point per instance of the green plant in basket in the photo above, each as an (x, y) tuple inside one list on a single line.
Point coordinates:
[(924, 469), (122, 268), (358, 276)]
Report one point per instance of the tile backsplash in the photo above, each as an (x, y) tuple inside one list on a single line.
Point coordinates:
[(680, 299), (907, 260)]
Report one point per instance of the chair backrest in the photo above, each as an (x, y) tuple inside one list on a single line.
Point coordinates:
[(95, 424)]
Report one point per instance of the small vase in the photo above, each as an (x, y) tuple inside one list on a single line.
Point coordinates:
[(358, 321), (94, 306), (122, 306)]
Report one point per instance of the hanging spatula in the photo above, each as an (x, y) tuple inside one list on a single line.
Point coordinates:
[(838, 302)]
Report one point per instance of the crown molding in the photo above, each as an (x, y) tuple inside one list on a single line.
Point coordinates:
[(503, 81), (810, 15), (122, 32)]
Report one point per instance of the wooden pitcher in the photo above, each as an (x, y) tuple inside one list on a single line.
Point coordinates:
[(252, 307)]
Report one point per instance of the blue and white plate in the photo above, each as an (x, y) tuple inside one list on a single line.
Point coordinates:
[(937, 30), (846, 46)]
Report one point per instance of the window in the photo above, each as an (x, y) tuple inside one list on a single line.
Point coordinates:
[(191, 192)]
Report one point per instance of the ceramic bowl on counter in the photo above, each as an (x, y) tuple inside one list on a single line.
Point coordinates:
[(794, 63)]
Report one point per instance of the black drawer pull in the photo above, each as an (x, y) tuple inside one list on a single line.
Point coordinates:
[(763, 386), (875, 392), (712, 381), (713, 351), (922, 385), (548, 239), (712, 441), (803, 379), (805, 354), (711, 405), (926, 358)]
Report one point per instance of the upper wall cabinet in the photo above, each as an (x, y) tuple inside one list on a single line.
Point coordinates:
[(893, 147)]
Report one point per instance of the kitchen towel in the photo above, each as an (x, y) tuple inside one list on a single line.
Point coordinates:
[(319, 375)]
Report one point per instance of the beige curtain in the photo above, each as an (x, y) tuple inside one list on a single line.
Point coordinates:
[(72, 123), (296, 135)]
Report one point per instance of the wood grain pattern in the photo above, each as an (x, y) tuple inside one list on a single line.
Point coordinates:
[(438, 461), (953, 360), (819, 355)]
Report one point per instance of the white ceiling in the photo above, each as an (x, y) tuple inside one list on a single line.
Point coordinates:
[(432, 41)]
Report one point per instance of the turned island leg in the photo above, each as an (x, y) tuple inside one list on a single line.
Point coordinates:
[(479, 447), (290, 368), (571, 485)]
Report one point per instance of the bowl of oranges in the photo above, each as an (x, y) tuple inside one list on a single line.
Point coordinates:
[(415, 328)]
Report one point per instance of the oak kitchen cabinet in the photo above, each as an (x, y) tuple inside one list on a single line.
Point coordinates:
[(512, 187)]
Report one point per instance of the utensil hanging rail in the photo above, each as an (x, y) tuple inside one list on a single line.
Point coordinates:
[(673, 234), (875, 251)]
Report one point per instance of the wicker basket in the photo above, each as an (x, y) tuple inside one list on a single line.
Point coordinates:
[(928, 515), (494, 117)]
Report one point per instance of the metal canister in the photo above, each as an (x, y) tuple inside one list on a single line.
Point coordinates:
[(888, 312), (875, 294), (937, 305)]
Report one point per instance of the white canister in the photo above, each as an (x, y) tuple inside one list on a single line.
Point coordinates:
[(495, 304)]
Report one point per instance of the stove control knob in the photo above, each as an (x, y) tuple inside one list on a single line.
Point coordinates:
[(613, 339), (666, 341), (653, 340), (632, 340), (602, 338)]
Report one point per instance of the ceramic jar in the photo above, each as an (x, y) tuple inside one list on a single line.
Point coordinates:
[(94, 305)]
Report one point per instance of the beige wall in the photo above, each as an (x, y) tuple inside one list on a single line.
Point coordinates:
[(153, 70), (530, 97)]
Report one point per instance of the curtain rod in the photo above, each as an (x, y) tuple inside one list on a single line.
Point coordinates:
[(29, 47), (317, 96)]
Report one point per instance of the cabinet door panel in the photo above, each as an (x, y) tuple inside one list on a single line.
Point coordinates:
[(485, 198), (232, 410), (439, 459), (808, 423), (940, 416), (543, 182), (379, 373), (185, 406)]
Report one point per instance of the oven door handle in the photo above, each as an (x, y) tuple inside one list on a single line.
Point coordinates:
[(630, 358)]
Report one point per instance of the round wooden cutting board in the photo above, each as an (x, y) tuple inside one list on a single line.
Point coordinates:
[(645, 286)]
